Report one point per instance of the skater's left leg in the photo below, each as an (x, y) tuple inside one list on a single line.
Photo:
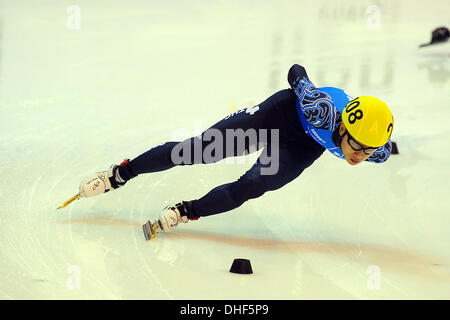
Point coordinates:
[(291, 162), (254, 183), (263, 176)]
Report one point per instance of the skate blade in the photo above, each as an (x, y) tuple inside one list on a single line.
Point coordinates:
[(150, 230), (75, 197)]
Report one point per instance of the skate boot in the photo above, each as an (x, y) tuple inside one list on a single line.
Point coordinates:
[(169, 219), (102, 182)]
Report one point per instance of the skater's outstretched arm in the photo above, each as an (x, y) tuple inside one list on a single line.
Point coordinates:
[(382, 153), (317, 106)]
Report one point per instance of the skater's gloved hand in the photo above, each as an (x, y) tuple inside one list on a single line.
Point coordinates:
[(295, 72)]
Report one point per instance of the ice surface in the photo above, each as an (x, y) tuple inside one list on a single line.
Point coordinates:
[(139, 73)]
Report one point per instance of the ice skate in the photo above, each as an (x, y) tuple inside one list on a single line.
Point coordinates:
[(102, 182), (98, 183), (169, 219)]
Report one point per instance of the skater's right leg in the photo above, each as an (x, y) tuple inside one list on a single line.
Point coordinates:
[(266, 115)]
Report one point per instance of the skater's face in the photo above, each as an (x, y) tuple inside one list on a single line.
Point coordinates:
[(353, 157)]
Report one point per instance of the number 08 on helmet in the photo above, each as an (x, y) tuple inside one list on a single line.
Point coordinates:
[(368, 120)]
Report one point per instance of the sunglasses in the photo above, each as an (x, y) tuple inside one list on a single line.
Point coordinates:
[(357, 147)]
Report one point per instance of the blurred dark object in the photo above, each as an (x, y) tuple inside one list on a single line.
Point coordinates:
[(394, 148), (242, 266), (438, 35)]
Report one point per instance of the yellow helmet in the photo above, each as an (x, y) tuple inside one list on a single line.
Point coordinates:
[(368, 120)]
